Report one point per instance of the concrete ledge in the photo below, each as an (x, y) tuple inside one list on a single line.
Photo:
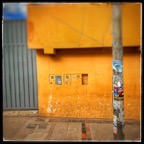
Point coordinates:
[(20, 113)]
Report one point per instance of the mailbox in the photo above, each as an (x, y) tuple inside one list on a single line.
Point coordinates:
[(67, 79), (58, 80), (76, 79), (52, 79)]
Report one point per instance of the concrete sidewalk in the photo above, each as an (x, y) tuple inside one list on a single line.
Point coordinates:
[(34, 128)]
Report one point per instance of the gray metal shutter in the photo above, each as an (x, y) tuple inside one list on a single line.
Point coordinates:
[(19, 68)]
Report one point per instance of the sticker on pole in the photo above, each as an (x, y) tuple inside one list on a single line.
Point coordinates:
[(117, 66), (118, 80), (118, 93), (118, 105)]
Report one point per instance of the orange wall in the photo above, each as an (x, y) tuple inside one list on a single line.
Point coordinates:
[(86, 101), (61, 26), (79, 25), (132, 84)]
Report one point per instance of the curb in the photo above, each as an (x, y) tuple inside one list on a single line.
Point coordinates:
[(20, 113)]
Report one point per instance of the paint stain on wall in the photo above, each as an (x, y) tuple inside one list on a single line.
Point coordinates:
[(49, 109)]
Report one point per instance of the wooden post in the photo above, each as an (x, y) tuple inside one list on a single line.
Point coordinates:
[(117, 65)]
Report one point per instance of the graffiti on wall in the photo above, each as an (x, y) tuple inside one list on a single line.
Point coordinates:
[(118, 95), (118, 118), (117, 65), (118, 91)]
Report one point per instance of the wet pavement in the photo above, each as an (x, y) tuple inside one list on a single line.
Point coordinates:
[(34, 128)]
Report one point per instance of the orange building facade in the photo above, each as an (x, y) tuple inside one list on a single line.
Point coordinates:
[(74, 59)]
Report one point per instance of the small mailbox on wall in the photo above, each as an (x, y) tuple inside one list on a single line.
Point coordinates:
[(84, 79), (52, 79), (76, 79), (67, 79), (58, 80)]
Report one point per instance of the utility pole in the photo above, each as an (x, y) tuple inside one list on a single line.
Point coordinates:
[(117, 65)]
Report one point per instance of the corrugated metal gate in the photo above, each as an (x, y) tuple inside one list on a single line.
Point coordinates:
[(19, 68)]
